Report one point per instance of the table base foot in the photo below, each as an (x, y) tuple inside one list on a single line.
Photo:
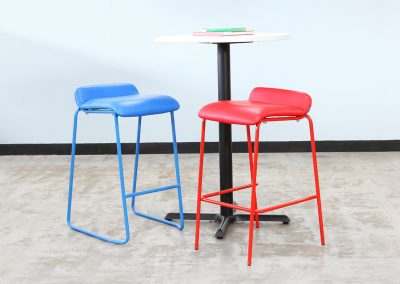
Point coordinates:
[(192, 217), (226, 221)]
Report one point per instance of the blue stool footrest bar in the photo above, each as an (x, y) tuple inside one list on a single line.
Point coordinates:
[(124, 100), (151, 191)]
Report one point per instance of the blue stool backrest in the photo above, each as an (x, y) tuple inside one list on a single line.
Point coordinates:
[(83, 94)]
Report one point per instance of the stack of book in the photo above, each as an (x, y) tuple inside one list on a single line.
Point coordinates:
[(223, 32)]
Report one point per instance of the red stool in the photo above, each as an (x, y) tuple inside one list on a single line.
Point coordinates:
[(263, 105)]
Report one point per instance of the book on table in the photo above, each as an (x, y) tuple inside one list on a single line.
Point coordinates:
[(223, 32)]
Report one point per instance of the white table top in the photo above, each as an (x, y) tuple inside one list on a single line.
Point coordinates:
[(188, 38)]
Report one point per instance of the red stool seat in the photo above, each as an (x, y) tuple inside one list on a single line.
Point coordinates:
[(246, 112), (262, 103)]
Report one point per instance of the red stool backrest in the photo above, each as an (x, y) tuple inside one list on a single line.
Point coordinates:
[(281, 97)]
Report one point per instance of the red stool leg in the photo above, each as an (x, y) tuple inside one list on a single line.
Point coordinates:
[(250, 150), (314, 156), (253, 196), (200, 184)]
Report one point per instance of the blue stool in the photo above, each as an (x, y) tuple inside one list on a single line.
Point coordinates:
[(124, 100)]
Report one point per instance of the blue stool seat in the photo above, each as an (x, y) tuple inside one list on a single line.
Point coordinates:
[(134, 105), (125, 100)]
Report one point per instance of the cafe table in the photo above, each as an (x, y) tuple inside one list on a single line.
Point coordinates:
[(226, 216)]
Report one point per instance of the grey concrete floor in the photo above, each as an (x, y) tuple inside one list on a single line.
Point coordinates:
[(361, 203)]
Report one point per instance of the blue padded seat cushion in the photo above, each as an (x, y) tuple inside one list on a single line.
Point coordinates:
[(124, 100), (137, 105)]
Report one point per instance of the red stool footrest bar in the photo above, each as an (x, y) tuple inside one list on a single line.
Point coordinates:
[(259, 211), (229, 205), (220, 192), (275, 207)]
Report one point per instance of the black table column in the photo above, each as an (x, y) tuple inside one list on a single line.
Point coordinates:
[(225, 137), (225, 130)]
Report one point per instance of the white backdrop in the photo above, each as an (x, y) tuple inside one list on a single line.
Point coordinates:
[(344, 53)]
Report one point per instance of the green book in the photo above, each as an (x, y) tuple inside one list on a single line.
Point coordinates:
[(225, 29)]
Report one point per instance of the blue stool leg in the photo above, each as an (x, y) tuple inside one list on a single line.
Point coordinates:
[(72, 167), (121, 178), (71, 181), (135, 171), (178, 186), (178, 179)]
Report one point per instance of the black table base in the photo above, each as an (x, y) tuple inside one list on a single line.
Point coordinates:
[(226, 221)]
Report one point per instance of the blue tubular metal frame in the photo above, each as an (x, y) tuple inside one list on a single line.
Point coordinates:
[(124, 196), (180, 226)]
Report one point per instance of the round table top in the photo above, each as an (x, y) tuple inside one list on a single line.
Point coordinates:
[(189, 38)]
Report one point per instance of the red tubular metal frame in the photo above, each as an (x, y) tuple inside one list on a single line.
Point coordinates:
[(253, 161)]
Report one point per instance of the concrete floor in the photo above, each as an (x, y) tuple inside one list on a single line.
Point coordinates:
[(361, 202)]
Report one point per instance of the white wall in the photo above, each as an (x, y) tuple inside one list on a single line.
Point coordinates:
[(345, 53)]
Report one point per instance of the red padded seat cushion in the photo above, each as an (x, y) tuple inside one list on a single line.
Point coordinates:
[(262, 103)]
